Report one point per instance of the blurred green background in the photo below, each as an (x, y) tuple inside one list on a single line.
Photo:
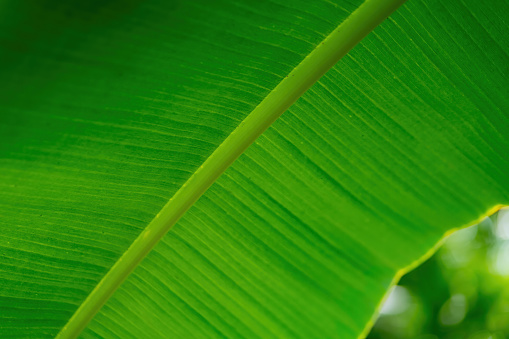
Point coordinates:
[(460, 292)]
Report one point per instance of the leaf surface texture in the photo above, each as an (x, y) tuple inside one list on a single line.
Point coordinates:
[(108, 109)]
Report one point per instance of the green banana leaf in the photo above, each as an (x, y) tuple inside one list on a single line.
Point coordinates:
[(112, 107)]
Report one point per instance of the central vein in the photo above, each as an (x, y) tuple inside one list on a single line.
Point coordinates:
[(362, 21)]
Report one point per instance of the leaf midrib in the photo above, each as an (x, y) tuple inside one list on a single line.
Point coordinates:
[(351, 31)]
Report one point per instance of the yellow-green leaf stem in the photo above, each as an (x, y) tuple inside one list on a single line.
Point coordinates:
[(362, 21)]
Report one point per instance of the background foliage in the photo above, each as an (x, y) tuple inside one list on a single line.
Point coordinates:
[(460, 292)]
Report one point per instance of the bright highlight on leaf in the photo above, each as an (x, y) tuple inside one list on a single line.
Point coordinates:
[(111, 109)]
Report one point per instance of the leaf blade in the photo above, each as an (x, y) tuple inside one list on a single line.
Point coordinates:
[(334, 47), (390, 125), (142, 113)]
